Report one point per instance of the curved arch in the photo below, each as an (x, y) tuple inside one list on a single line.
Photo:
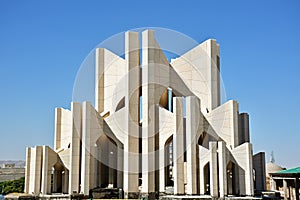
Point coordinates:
[(166, 99), (60, 176), (163, 101), (121, 104), (204, 140), (106, 160)]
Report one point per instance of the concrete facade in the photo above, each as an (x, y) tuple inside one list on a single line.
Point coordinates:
[(157, 127)]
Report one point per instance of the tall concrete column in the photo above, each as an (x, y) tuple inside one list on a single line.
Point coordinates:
[(284, 189), (213, 169), (178, 146), (149, 112), (201, 178), (192, 126), (213, 51), (99, 86), (87, 161), (27, 170), (36, 170), (131, 146), (75, 148), (249, 184), (46, 173), (222, 168), (155, 80)]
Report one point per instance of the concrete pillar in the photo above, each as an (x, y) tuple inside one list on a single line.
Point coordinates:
[(192, 126), (75, 148), (260, 171), (57, 128), (213, 169), (249, 185), (243, 131), (87, 163), (149, 51), (162, 167), (273, 184), (284, 189), (45, 173), (201, 179), (155, 69), (148, 107), (131, 146), (178, 146), (99, 87), (36, 170), (213, 51), (27, 170), (222, 168)]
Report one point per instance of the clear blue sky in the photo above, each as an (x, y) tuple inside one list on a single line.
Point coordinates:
[(42, 44)]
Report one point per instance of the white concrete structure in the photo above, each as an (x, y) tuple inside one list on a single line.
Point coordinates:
[(155, 126)]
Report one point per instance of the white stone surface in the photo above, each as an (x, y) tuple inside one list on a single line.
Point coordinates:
[(109, 145)]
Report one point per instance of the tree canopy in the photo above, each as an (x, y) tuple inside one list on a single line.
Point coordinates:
[(7, 187)]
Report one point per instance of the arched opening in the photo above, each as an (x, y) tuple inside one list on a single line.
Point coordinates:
[(59, 178), (231, 174), (106, 158), (206, 176), (169, 179), (204, 140), (121, 104)]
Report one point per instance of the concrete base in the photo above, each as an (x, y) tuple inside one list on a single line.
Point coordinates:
[(194, 197), (131, 195), (151, 195), (107, 193)]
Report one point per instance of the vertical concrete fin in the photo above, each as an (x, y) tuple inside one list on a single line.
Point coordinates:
[(222, 168), (99, 78), (27, 170), (193, 118), (57, 128), (213, 169), (75, 148), (131, 146), (178, 146)]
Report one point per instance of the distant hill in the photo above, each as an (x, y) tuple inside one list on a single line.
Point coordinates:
[(18, 163)]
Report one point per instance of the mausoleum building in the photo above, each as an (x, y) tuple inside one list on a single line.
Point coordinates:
[(157, 127)]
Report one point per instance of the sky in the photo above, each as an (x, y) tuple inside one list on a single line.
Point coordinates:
[(43, 43)]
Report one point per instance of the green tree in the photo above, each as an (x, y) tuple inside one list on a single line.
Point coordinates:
[(7, 187)]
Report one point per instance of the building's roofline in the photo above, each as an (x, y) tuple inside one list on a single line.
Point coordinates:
[(294, 172)]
